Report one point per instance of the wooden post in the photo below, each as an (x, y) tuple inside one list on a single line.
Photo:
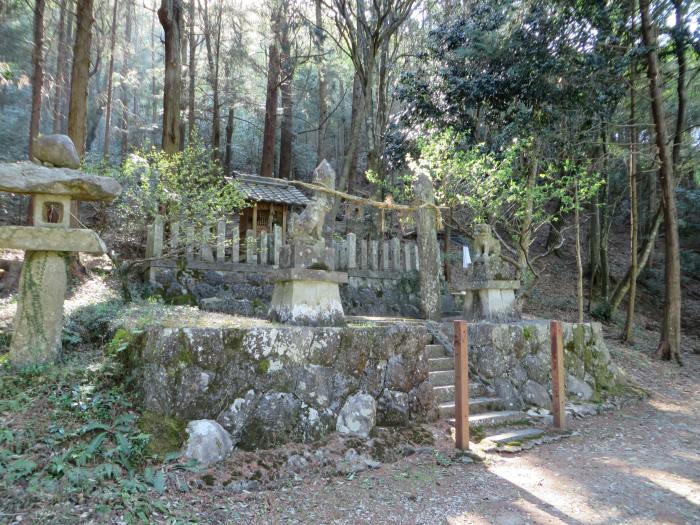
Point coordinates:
[(461, 345), (255, 220), (558, 386)]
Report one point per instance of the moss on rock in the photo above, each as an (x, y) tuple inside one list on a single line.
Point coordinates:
[(167, 432)]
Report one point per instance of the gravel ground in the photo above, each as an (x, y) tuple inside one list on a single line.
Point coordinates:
[(639, 464)]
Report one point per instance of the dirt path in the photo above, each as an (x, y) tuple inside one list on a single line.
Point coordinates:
[(640, 464)]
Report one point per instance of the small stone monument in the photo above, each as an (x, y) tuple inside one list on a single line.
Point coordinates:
[(43, 280), (488, 295), (306, 288)]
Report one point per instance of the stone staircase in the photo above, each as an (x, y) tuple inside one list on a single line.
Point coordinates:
[(488, 417)]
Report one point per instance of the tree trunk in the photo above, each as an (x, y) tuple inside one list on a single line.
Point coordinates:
[(65, 96), (60, 81), (192, 70), (110, 81), (96, 110), (670, 344), (213, 45), (643, 259), (229, 142), (287, 124), (594, 249), (267, 163), (322, 103), (124, 100), (38, 72), (680, 40), (170, 17), (356, 119), (579, 264), (77, 110), (605, 223), (628, 336), (525, 236)]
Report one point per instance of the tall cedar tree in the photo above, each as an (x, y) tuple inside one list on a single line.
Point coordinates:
[(170, 15), (670, 344), (77, 109)]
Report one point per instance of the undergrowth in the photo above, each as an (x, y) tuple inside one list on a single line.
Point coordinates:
[(70, 439)]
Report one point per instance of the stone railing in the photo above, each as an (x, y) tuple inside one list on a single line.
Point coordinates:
[(394, 255), (223, 247)]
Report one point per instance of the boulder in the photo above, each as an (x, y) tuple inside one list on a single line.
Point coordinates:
[(578, 388), (358, 415), (508, 392), (535, 394), (393, 408), (207, 442), (57, 150)]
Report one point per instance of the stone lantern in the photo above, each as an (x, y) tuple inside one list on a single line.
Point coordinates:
[(43, 281)]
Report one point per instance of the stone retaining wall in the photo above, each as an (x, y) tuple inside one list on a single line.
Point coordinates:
[(269, 384), (248, 291), (516, 359)]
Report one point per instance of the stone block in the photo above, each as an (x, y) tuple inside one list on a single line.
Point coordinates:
[(27, 177)]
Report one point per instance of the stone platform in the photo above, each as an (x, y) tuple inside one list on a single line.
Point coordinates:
[(269, 383)]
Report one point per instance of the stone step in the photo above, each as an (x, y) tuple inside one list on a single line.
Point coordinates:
[(492, 419), (520, 435), (446, 393), (477, 405), (442, 378), (434, 351), (439, 364)]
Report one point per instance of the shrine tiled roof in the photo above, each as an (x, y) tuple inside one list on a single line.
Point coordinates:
[(266, 189)]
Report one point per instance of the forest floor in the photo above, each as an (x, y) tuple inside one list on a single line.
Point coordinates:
[(639, 464)]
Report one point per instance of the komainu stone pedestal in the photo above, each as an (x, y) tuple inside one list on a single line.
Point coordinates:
[(308, 297), (491, 300), (39, 318)]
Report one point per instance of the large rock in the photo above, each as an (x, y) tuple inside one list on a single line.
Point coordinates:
[(57, 150), (39, 319), (207, 442), (27, 177), (578, 388), (358, 415), (535, 394), (393, 408)]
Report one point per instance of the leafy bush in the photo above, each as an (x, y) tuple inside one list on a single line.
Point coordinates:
[(187, 185)]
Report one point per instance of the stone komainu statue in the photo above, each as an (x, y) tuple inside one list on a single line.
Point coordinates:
[(308, 225), (486, 246)]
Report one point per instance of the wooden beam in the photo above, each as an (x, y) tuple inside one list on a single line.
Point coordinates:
[(558, 385), (461, 346)]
